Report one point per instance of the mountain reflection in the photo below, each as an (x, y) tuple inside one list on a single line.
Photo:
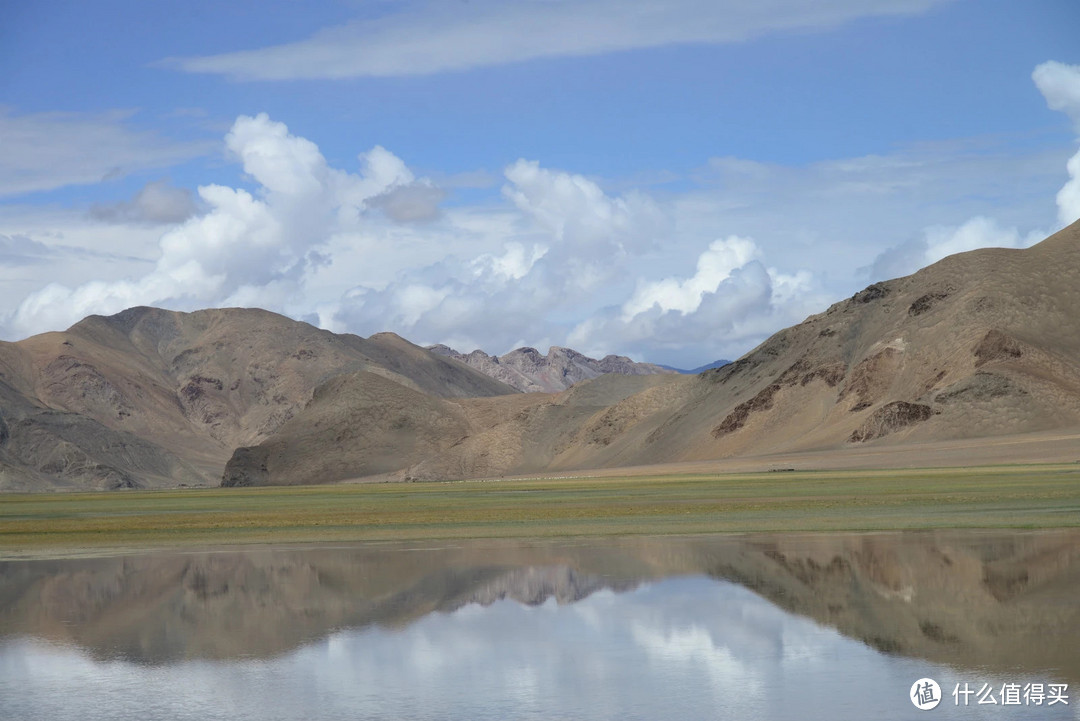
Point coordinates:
[(993, 601)]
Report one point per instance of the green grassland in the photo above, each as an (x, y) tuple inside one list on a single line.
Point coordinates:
[(1035, 496)]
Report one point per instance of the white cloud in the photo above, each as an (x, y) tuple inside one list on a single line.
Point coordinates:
[(1060, 85), (978, 232), (415, 299), (939, 241), (729, 305), (680, 277), (589, 235), (1068, 198), (575, 209), (714, 266), (432, 37), (318, 242), (565, 244), (42, 151), (834, 219), (514, 264), (244, 247)]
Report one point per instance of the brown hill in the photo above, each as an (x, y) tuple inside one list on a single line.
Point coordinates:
[(979, 345), (150, 397), (530, 372)]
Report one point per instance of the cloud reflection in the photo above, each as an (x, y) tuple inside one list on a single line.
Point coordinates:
[(686, 647)]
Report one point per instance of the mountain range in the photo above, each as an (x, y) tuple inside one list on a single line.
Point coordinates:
[(978, 354), (528, 371), (152, 398)]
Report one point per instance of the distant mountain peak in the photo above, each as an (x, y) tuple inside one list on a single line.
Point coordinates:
[(530, 371)]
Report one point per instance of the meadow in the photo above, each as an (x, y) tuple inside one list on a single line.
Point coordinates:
[(1029, 496)]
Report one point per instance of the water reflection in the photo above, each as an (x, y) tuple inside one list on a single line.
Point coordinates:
[(764, 627)]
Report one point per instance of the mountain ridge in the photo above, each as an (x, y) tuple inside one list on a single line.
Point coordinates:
[(186, 388), (980, 345), (529, 371)]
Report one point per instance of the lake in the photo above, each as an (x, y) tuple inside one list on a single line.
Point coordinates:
[(751, 627)]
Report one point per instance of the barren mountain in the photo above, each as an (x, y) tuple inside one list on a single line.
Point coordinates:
[(979, 345), (528, 371), (150, 397)]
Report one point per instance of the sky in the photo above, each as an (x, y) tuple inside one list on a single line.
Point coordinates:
[(672, 181)]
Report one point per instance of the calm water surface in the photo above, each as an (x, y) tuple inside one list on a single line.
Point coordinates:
[(781, 627)]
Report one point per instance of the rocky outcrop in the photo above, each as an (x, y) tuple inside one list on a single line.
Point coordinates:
[(529, 371), (890, 418)]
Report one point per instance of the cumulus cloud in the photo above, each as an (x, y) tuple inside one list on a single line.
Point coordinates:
[(1060, 85), (575, 210), (565, 245), (514, 264), (349, 250), (557, 257), (1068, 198), (714, 266), (431, 37), (940, 241), (588, 235), (730, 303), (156, 203), (42, 151), (834, 218), (978, 232), (245, 247), (937, 242)]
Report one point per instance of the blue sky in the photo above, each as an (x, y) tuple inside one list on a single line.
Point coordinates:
[(672, 181)]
